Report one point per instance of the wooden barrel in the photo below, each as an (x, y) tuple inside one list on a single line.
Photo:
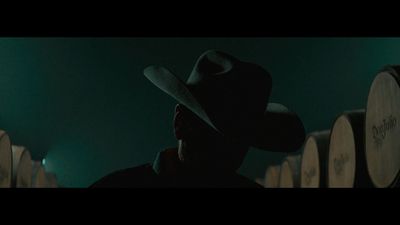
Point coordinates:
[(22, 167), (314, 163), (271, 179), (39, 177), (382, 130), (289, 176), (51, 180), (5, 160), (347, 164)]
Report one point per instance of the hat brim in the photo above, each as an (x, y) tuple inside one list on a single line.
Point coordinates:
[(280, 129)]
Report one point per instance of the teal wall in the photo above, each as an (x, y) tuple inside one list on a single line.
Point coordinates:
[(84, 105)]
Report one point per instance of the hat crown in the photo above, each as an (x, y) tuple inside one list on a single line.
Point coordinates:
[(230, 89), (211, 63), (215, 62)]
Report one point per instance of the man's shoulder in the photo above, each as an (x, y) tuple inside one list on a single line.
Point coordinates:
[(139, 176)]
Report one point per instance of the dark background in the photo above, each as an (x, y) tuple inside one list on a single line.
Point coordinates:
[(84, 105)]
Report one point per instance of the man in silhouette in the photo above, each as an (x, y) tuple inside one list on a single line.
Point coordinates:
[(222, 110)]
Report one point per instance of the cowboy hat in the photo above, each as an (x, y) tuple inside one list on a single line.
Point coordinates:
[(231, 96)]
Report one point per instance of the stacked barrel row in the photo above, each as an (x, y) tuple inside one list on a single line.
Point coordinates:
[(362, 148), (17, 169)]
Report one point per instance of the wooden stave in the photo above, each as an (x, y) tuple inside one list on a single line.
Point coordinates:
[(5, 137), (293, 161), (356, 120), (321, 138), (362, 178), (394, 71), (266, 177), (24, 152), (39, 177)]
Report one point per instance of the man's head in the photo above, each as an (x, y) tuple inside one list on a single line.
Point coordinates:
[(200, 146), (223, 104)]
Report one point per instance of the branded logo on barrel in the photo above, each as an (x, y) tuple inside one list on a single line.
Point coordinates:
[(338, 163), (309, 174), (381, 131)]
